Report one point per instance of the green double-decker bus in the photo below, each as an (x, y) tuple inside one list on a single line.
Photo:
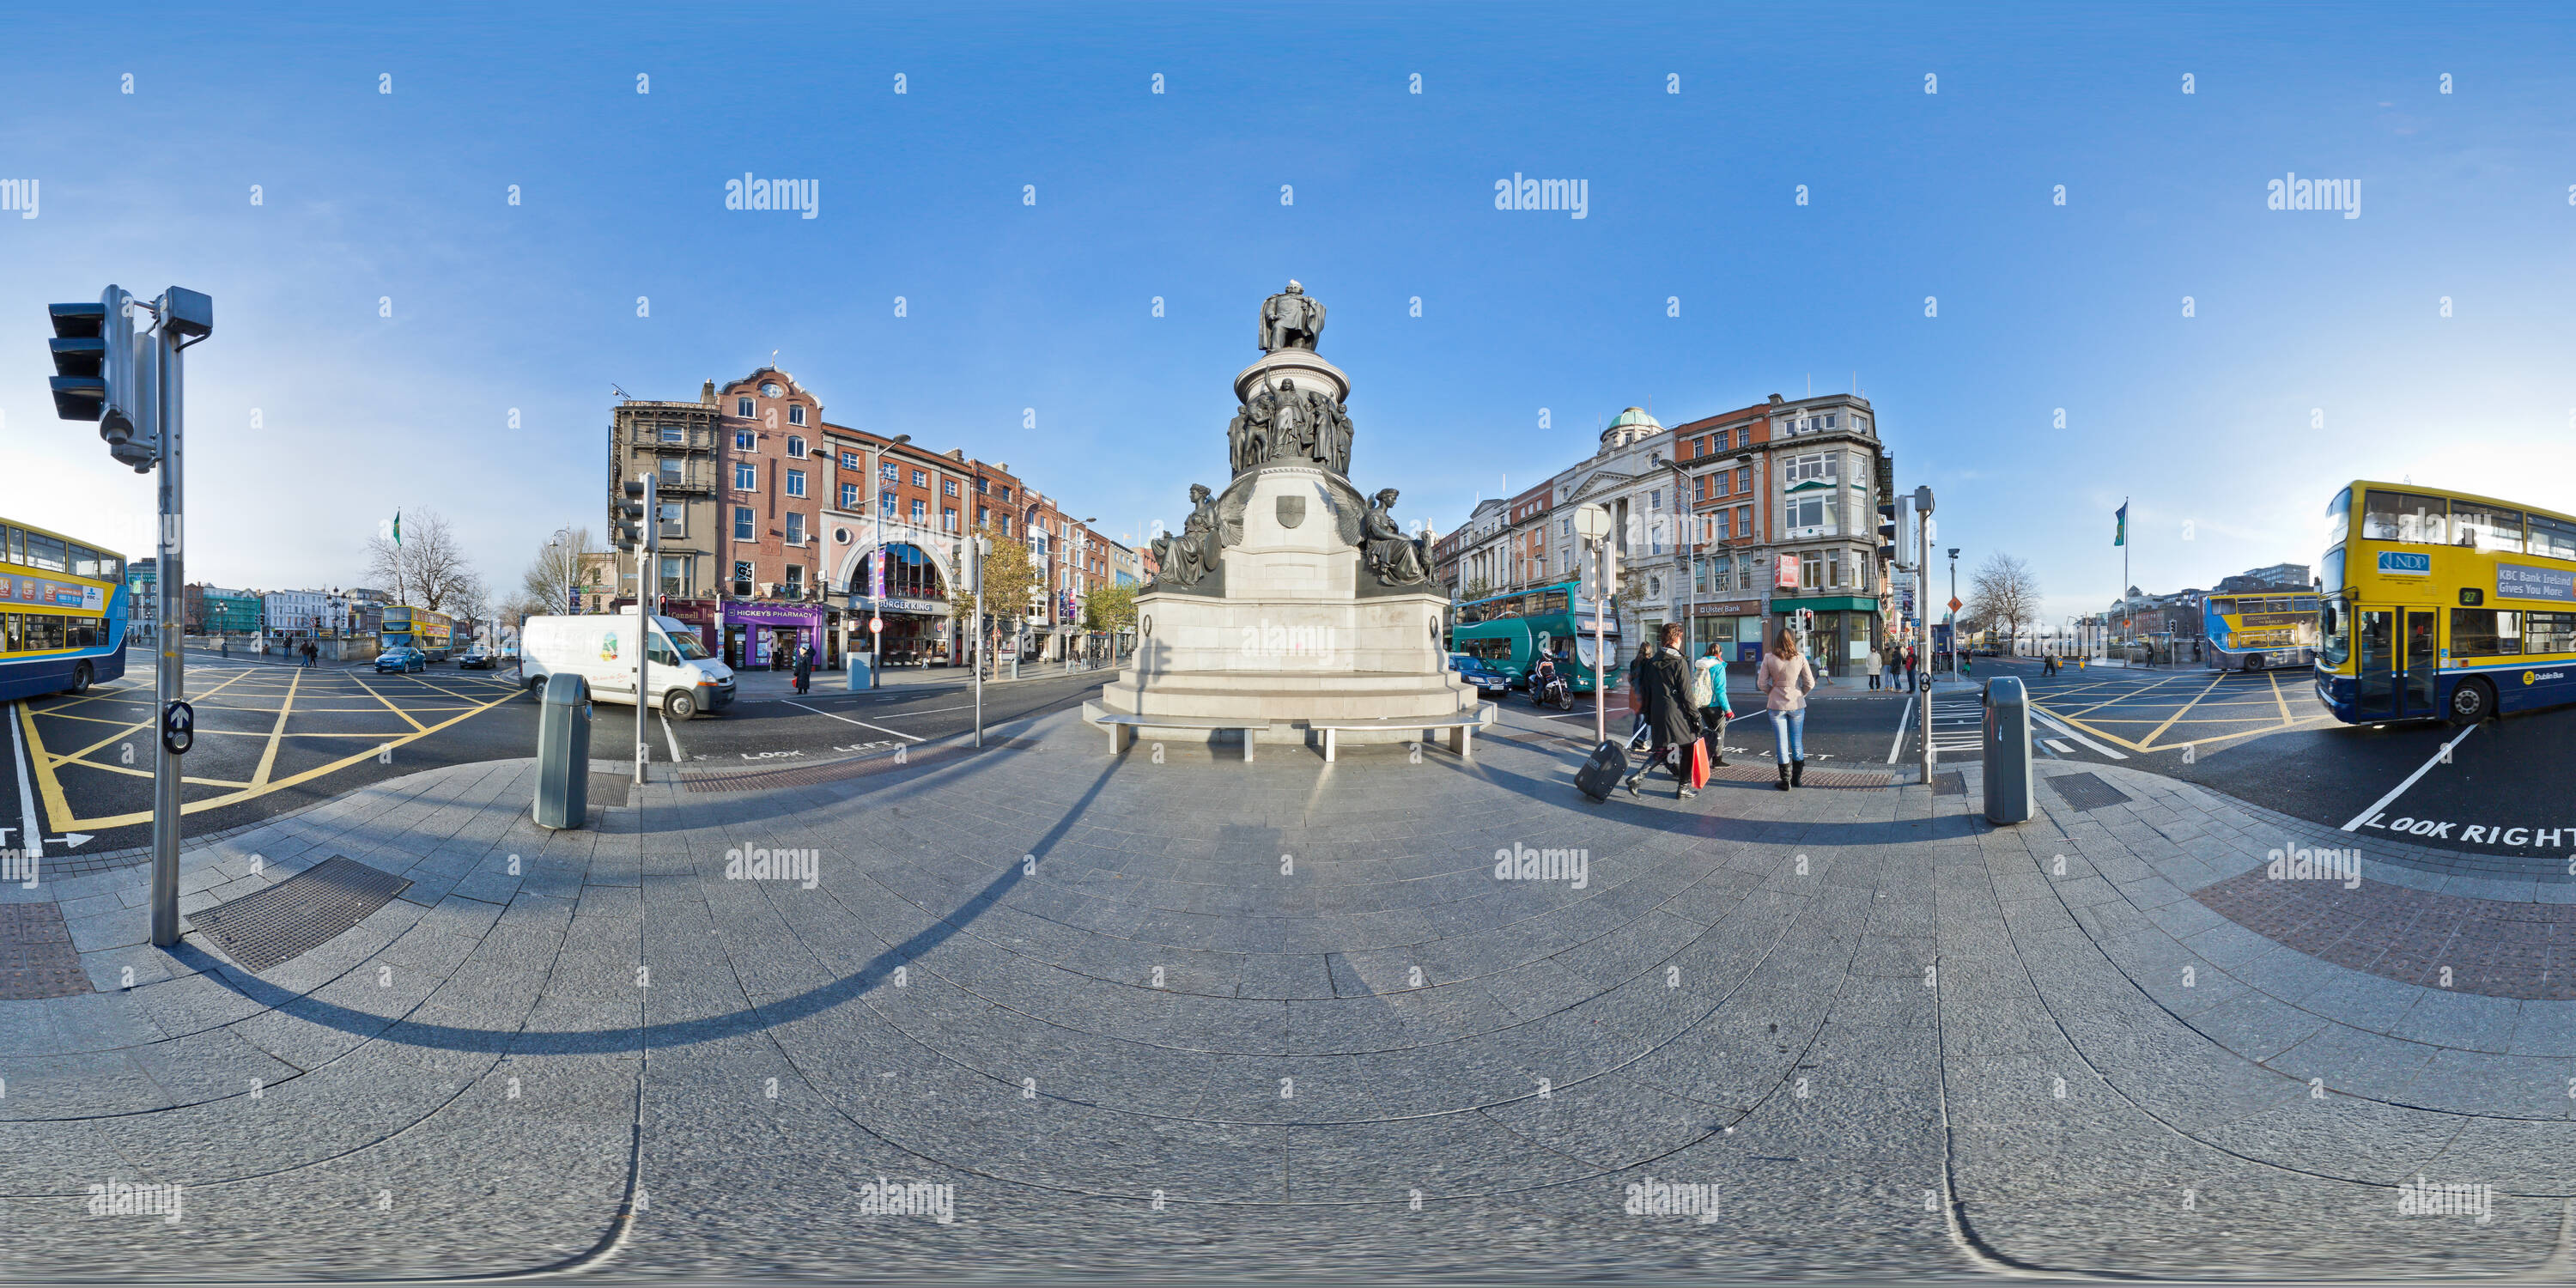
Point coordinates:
[(1511, 631)]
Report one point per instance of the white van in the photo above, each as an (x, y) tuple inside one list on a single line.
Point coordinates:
[(600, 648)]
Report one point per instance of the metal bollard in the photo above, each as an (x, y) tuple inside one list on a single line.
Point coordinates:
[(563, 752), (2007, 768)]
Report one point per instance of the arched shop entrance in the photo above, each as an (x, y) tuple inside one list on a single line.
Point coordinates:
[(913, 601)]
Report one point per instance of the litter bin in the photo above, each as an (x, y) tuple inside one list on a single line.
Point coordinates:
[(563, 752), (2007, 751), (860, 676)]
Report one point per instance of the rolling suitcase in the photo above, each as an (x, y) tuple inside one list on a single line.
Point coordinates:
[(1601, 774)]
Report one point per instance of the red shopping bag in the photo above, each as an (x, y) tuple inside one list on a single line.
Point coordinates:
[(1699, 764)]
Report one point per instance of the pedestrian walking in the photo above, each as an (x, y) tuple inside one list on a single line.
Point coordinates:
[(1674, 723), (1786, 680), (312, 655), (1637, 691), (1909, 662), (1873, 669), (1708, 693), (228, 645), (804, 668)]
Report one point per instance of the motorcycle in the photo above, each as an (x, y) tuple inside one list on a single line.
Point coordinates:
[(1552, 691)]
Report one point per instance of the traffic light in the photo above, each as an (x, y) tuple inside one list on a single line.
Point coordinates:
[(98, 378), (627, 520), (1887, 551)]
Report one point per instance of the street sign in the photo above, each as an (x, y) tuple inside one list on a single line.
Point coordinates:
[(1591, 522), (1955, 605), (875, 624), (178, 727)]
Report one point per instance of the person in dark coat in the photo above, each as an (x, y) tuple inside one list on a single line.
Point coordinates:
[(1664, 679), (804, 668)]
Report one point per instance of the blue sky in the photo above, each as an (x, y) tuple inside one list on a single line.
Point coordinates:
[(2207, 422)]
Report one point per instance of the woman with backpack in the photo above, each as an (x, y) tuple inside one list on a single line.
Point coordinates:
[(1787, 679), (1708, 693)]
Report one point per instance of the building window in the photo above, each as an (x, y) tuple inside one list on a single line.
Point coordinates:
[(920, 510), (983, 487), (849, 496), (670, 471), (1744, 522), (746, 478), (742, 576), (795, 529), (1006, 525), (948, 487), (742, 407), (1744, 479), (885, 503), (742, 523), (1811, 570), (920, 479), (850, 461), (672, 434), (745, 441), (675, 575), (1006, 492), (889, 471), (1725, 529), (1820, 466), (796, 446), (983, 515), (673, 522), (795, 581), (1804, 512), (795, 482), (948, 518), (796, 414), (1833, 568)]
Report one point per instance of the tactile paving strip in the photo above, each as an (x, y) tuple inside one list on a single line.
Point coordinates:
[(297, 915), (2085, 791), (36, 955)]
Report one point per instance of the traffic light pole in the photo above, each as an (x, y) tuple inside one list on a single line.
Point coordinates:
[(1923, 615), (652, 547), (170, 677), (975, 545)]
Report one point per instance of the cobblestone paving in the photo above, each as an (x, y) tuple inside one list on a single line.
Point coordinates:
[(1176, 1013)]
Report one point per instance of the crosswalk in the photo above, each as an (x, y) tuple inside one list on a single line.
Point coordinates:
[(1958, 725)]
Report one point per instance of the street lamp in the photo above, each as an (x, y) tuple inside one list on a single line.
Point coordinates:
[(1954, 613), (1685, 553)]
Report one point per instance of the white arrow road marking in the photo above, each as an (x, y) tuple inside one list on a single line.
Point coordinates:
[(2441, 756), (26, 788), (72, 840)]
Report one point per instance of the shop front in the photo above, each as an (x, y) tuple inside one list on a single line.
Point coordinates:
[(763, 637), (918, 632), (1735, 624), (698, 615), (1844, 632)]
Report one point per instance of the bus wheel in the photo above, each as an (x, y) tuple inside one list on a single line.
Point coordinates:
[(81, 678), (680, 705), (2472, 702), (2253, 664)]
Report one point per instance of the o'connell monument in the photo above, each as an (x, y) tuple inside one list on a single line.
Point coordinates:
[(1289, 607)]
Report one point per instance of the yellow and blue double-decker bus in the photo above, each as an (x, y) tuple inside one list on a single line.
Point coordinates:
[(2444, 605), (425, 629), (1511, 631), (2268, 630), (62, 613)]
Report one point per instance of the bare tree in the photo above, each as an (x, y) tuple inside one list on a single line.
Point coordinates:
[(558, 568), (2004, 595), (426, 567)]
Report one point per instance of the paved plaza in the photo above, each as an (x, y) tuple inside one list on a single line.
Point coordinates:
[(1033, 1010)]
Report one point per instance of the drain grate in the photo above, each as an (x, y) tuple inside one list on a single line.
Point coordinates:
[(1950, 784), (297, 915), (609, 790), (36, 954), (2085, 791)]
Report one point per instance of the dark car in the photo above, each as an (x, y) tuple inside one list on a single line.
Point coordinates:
[(401, 658), (477, 658), (1487, 677)]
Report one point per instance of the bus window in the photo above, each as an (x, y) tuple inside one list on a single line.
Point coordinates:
[(2555, 538), (48, 553), (2339, 514), (2485, 632), (2334, 631), (2545, 633), (2405, 516), (1552, 602), (14, 640), (2486, 528)]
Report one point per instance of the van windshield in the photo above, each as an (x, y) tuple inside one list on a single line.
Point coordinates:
[(686, 644)]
